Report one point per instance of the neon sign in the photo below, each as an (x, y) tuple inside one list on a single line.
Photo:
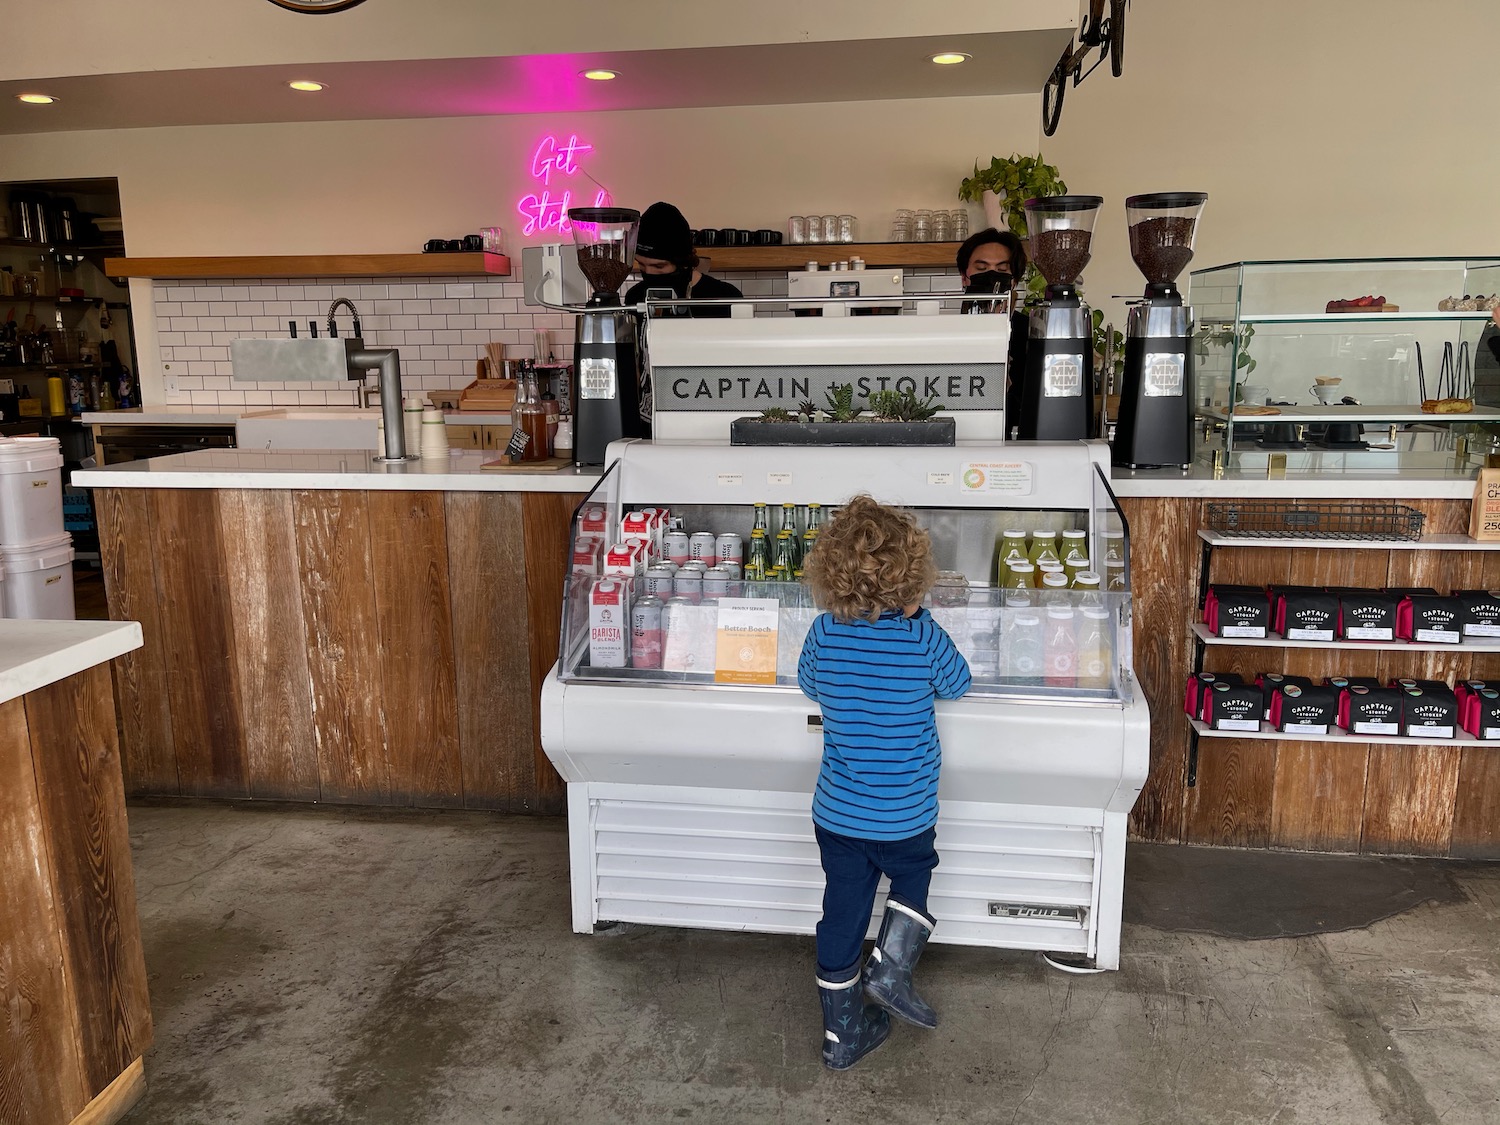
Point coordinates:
[(542, 210)]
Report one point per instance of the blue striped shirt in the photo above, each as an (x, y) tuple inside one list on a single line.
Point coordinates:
[(875, 682)]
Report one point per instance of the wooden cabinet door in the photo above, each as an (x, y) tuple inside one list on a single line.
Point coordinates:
[(465, 436), (496, 437)]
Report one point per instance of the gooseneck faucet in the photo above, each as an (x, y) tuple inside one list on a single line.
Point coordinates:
[(333, 329)]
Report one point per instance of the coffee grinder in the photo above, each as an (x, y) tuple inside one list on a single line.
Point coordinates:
[(606, 352), (1058, 380), (1155, 426)]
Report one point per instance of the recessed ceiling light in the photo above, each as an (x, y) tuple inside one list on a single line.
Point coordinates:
[(950, 58), (307, 86), (600, 75), (36, 99)]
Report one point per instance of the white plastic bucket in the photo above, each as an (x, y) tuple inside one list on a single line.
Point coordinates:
[(30, 491), (39, 579)]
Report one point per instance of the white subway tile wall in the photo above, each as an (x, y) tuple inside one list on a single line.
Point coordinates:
[(441, 325)]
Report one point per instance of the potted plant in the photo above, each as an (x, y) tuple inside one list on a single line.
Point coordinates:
[(1004, 187), (894, 418)]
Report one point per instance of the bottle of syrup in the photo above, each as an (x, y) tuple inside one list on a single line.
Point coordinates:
[(529, 416)]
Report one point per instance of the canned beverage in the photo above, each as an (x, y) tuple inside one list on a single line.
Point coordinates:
[(703, 545), (730, 548), (660, 580), (678, 546), (716, 582), (734, 570), (646, 632), (688, 584), (697, 565)]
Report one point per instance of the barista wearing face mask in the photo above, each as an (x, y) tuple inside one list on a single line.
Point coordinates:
[(994, 261), (664, 255)]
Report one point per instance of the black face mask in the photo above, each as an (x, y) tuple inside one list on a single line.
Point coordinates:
[(680, 280), (990, 281)]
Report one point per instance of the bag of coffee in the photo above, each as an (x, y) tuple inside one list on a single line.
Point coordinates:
[(1232, 706), (1342, 682), (1237, 611), (1304, 710), (1304, 614), (1270, 683), (1404, 591), (1197, 689), (1370, 710), (1482, 716), (1429, 618), (1367, 615), (1429, 712), (1406, 683), (1479, 613)]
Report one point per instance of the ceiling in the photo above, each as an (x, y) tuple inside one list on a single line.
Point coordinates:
[(784, 73)]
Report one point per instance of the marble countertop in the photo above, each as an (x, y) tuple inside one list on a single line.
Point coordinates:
[(460, 472), (350, 469), (165, 416), (34, 654)]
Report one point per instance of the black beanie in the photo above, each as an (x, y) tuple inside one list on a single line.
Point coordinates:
[(664, 234)]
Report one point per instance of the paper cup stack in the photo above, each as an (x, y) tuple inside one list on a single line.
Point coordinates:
[(434, 434)]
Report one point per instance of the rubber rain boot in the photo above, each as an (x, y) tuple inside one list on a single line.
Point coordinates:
[(903, 936), (851, 1028)]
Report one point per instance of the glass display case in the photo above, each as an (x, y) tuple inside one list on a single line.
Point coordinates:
[(1347, 354), (690, 754), (641, 621)]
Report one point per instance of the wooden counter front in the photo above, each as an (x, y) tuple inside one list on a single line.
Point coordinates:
[(72, 975), (1344, 796), (359, 647)]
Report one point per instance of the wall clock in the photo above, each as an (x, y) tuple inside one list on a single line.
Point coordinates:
[(316, 7)]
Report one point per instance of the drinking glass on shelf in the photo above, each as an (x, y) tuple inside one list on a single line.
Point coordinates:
[(958, 224), (846, 228), (921, 226), (830, 228), (901, 226), (815, 228), (797, 229), (940, 231), (492, 240)]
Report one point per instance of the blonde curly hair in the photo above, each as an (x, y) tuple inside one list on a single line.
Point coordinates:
[(871, 558)]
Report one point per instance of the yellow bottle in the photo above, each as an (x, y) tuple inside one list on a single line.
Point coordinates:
[(1043, 547)]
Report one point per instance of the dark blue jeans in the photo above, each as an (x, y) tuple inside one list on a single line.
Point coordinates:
[(853, 868)]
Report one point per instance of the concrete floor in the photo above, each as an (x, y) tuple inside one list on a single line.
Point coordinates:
[(317, 966)]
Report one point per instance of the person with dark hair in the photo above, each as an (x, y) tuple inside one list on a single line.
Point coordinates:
[(994, 261), (664, 255)]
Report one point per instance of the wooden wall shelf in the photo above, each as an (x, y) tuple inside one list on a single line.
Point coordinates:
[(879, 254), (314, 265)]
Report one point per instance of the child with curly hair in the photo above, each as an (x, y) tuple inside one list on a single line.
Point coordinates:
[(874, 663)]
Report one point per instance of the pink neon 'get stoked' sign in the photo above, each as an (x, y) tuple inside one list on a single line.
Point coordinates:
[(542, 210)]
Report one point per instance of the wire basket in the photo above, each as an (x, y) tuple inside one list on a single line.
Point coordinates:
[(1260, 519)]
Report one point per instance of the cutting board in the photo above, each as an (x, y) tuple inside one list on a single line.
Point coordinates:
[(550, 465)]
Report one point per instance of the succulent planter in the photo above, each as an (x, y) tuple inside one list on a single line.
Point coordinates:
[(860, 432)]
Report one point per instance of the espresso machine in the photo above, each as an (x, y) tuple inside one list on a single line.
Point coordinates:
[(1057, 390), (1155, 426), (606, 352)]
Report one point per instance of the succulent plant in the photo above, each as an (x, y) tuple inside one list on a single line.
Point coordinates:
[(808, 409), (777, 414), (902, 406), (841, 406)]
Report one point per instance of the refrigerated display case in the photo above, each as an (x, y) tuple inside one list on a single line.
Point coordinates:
[(689, 796)]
